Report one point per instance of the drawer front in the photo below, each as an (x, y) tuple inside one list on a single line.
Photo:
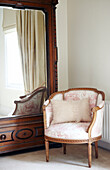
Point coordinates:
[(27, 133), (6, 136), (22, 134)]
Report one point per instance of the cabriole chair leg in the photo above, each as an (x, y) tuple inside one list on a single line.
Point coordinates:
[(47, 150), (89, 154), (64, 148), (96, 149)]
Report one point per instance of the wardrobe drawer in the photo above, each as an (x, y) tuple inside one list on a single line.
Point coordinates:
[(6, 136), (22, 134)]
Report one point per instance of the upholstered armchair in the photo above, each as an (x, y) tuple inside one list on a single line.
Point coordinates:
[(31, 103), (74, 116)]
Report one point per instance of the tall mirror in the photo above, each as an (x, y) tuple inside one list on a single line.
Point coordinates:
[(28, 59), (23, 55)]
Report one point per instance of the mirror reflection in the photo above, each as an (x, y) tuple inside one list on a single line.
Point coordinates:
[(22, 56)]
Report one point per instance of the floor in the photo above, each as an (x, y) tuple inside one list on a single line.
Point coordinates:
[(76, 158)]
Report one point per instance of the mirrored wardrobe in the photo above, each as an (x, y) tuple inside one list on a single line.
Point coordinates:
[(28, 70)]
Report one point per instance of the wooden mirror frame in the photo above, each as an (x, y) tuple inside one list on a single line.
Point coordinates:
[(23, 132), (48, 7)]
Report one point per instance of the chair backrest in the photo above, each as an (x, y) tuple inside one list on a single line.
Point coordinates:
[(95, 96), (30, 103)]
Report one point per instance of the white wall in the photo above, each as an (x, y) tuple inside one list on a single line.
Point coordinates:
[(62, 42), (7, 96), (89, 44)]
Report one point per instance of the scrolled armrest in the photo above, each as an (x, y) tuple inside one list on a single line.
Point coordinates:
[(46, 103), (95, 109), (21, 97), (21, 100), (95, 127)]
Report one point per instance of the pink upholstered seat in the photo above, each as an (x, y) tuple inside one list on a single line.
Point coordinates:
[(72, 131)]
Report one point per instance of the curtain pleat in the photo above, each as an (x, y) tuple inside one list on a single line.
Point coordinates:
[(32, 44)]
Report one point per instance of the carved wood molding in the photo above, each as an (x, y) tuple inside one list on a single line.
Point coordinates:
[(74, 89), (48, 2), (59, 140)]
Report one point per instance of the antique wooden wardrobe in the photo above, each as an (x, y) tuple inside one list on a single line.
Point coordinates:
[(26, 131)]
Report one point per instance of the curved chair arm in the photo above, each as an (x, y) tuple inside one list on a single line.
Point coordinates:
[(21, 97), (47, 113), (33, 92), (95, 127)]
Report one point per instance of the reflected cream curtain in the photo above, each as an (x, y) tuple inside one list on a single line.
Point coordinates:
[(31, 39), (9, 19)]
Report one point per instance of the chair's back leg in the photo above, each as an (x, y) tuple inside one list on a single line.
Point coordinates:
[(47, 150), (64, 148), (96, 149)]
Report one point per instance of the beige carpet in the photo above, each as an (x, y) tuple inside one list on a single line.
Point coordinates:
[(76, 158)]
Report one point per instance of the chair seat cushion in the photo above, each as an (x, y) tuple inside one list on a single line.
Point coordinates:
[(72, 131)]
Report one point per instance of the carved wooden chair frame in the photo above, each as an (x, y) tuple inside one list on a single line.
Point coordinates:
[(67, 141)]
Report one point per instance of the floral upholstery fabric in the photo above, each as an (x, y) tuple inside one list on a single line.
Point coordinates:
[(49, 114), (32, 106), (81, 94), (58, 97), (97, 128), (75, 131), (72, 131), (99, 99), (71, 95)]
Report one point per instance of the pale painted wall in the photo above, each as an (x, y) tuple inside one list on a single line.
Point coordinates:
[(62, 42), (7, 96), (89, 44)]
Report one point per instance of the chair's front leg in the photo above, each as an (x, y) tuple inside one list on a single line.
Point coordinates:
[(96, 149), (47, 150), (89, 154)]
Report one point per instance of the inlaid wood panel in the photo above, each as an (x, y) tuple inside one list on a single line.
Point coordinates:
[(22, 134)]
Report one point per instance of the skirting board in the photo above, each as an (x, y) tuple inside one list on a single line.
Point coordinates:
[(104, 144)]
